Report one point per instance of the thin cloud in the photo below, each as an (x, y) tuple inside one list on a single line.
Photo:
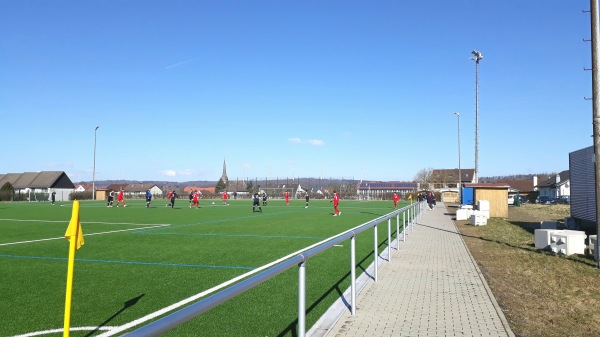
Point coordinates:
[(316, 142), (169, 173), (175, 65), (295, 140)]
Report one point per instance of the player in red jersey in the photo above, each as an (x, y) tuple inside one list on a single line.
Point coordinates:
[(196, 199), (287, 198), (121, 198), (336, 201), (225, 198), (395, 198)]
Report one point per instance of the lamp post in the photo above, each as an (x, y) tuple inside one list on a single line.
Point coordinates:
[(476, 57), (459, 172), (94, 171)]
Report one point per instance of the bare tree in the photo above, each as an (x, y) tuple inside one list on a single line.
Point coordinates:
[(423, 177)]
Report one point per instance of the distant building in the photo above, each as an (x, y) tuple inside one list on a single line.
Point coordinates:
[(38, 186), (384, 189)]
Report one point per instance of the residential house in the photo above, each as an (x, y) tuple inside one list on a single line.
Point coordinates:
[(82, 188), (555, 186), (38, 186)]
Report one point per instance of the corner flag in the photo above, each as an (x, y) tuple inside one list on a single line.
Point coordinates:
[(74, 230), (75, 236)]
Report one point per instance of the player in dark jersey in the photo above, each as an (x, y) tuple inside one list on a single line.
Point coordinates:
[(256, 202)]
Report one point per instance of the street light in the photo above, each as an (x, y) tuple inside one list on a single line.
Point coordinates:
[(94, 172), (459, 173), (476, 57)]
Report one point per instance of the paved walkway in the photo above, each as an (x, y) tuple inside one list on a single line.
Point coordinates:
[(431, 287)]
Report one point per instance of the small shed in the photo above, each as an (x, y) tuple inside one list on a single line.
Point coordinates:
[(496, 194)]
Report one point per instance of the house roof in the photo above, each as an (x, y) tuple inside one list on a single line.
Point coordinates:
[(522, 185), (448, 175), (563, 177), (484, 185), (44, 179)]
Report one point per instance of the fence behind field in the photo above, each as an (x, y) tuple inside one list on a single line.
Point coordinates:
[(409, 214)]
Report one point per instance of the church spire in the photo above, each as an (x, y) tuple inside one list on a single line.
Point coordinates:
[(224, 175)]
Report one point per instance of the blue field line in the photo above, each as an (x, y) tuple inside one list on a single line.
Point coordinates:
[(129, 262), (238, 235)]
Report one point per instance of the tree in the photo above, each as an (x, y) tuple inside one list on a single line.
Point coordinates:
[(221, 186), (249, 187), (6, 192), (423, 177)]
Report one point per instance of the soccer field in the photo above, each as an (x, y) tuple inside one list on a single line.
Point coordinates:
[(137, 261)]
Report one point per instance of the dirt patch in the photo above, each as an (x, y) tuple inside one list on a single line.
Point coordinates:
[(541, 294)]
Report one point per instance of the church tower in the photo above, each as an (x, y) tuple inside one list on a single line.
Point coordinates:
[(224, 175)]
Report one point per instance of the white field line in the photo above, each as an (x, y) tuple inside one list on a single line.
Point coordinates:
[(54, 331), (213, 289), (86, 222), (84, 235)]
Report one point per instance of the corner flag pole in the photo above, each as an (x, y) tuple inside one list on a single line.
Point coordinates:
[(75, 236)]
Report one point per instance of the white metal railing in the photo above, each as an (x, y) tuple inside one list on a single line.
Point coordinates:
[(409, 216)]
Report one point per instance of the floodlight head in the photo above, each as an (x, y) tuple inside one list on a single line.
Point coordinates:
[(477, 54), (456, 113), (97, 127)]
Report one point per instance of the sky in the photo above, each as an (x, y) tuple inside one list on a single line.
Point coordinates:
[(330, 88)]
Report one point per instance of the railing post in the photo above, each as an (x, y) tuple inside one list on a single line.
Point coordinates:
[(398, 231), (301, 299), (404, 226), (353, 275), (389, 249), (375, 254)]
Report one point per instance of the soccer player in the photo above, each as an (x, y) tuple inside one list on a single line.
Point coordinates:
[(395, 198), (336, 201), (111, 198), (196, 199), (307, 198), (53, 197), (264, 197), (121, 198), (148, 198), (191, 197), (287, 198), (225, 198), (172, 199), (169, 194), (256, 202)]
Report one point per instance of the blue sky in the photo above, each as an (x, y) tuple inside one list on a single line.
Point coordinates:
[(291, 88)]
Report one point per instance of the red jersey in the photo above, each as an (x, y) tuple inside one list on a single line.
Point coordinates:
[(287, 195), (336, 199), (395, 197), (196, 196), (224, 195), (120, 197)]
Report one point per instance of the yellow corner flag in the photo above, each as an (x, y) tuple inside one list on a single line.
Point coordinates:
[(75, 236), (74, 230), (410, 198)]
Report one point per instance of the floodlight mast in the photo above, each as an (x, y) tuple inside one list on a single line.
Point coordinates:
[(477, 56)]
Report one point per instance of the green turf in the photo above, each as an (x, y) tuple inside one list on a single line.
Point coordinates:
[(131, 268)]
